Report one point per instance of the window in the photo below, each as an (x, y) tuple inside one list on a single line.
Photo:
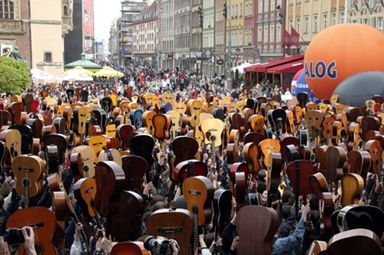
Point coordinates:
[(325, 21), (48, 57), (259, 34), (241, 10), (315, 24), (266, 7), (380, 23), (306, 25), (272, 33), (298, 25), (334, 19), (260, 6), (7, 9), (66, 10), (342, 18), (278, 33), (265, 34)]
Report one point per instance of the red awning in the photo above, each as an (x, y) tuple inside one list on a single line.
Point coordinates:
[(292, 67), (262, 68)]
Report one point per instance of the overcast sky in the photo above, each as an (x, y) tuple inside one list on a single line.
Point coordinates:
[(105, 12)]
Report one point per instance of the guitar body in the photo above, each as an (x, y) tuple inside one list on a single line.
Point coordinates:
[(129, 248), (60, 141), (195, 108), (352, 185), (184, 148), (212, 129), (97, 144), (28, 171), (147, 121), (88, 158), (198, 193), (85, 193), (251, 156), (357, 241), (110, 155), (124, 221), (110, 182), (12, 139), (189, 168), (173, 224), (160, 126), (222, 208), (359, 162), (142, 145), (125, 133), (134, 168), (257, 234), (45, 223), (299, 172)]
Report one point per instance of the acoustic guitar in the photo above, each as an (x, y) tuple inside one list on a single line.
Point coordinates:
[(129, 248), (147, 121), (97, 143), (198, 194), (195, 108), (356, 241), (110, 183), (251, 156), (124, 133), (256, 234), (110, 155), (28, 171), (43, 222), (222, 209), (173, 224), (352, 185), (85, 192), (88, 158), (12, 139), (134, 168)]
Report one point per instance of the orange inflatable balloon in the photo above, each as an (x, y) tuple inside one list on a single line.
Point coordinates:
[(340, 51)]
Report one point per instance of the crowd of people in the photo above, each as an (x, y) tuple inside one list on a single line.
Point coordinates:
[(294, 235)]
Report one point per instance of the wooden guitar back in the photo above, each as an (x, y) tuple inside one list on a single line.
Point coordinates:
[(256, 234), (173, 224)]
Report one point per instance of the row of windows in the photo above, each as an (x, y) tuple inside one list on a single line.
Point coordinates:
[(7, 9), (265, 35), (143, 48)]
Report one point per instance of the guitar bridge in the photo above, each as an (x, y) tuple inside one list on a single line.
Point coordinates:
[(167, 230)]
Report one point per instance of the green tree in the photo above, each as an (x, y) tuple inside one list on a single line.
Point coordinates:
[(14, 76)]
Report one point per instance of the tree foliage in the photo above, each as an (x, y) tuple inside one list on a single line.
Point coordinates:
[(14, 76)]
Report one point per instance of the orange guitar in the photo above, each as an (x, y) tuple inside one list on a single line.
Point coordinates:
[(28, 171)]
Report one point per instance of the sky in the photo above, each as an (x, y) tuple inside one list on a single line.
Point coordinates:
[(105, 12)]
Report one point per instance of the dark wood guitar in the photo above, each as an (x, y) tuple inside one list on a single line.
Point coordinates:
[(189, 168), (129, 248), (134, 168), (174, 224), (256, 234)]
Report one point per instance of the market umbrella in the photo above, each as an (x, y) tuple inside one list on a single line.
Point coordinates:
[(83, 70), (241, 67), (75, 75), (108, 72), (41, 76)]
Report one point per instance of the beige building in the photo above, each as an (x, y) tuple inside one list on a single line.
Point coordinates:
[(49, 24), (309, 17), (367, 12)]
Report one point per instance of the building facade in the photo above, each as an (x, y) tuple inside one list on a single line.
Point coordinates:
[(197, 33), (113, 44), (73, 41), (129, 9), (183, 34), (47, 34), (268, 28), (146, 37), (167, 35), (235, 30), (220, 41), (310, 17), (88, 29), (208, 37), (15, 28), (250, 12), (367, 12)]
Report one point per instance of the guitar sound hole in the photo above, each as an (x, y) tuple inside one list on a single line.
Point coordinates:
[(86, 169), (26, 183)]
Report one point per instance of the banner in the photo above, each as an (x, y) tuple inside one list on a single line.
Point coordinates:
[(286, 39)]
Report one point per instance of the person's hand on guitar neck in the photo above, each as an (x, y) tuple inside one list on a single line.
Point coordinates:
[(29, 240)]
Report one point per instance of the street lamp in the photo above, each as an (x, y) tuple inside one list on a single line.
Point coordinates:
[(201, 24)]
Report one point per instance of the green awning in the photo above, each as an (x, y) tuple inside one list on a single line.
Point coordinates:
[(86, 64)]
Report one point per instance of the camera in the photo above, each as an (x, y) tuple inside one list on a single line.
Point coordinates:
[(14, 236), (160, 246)]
